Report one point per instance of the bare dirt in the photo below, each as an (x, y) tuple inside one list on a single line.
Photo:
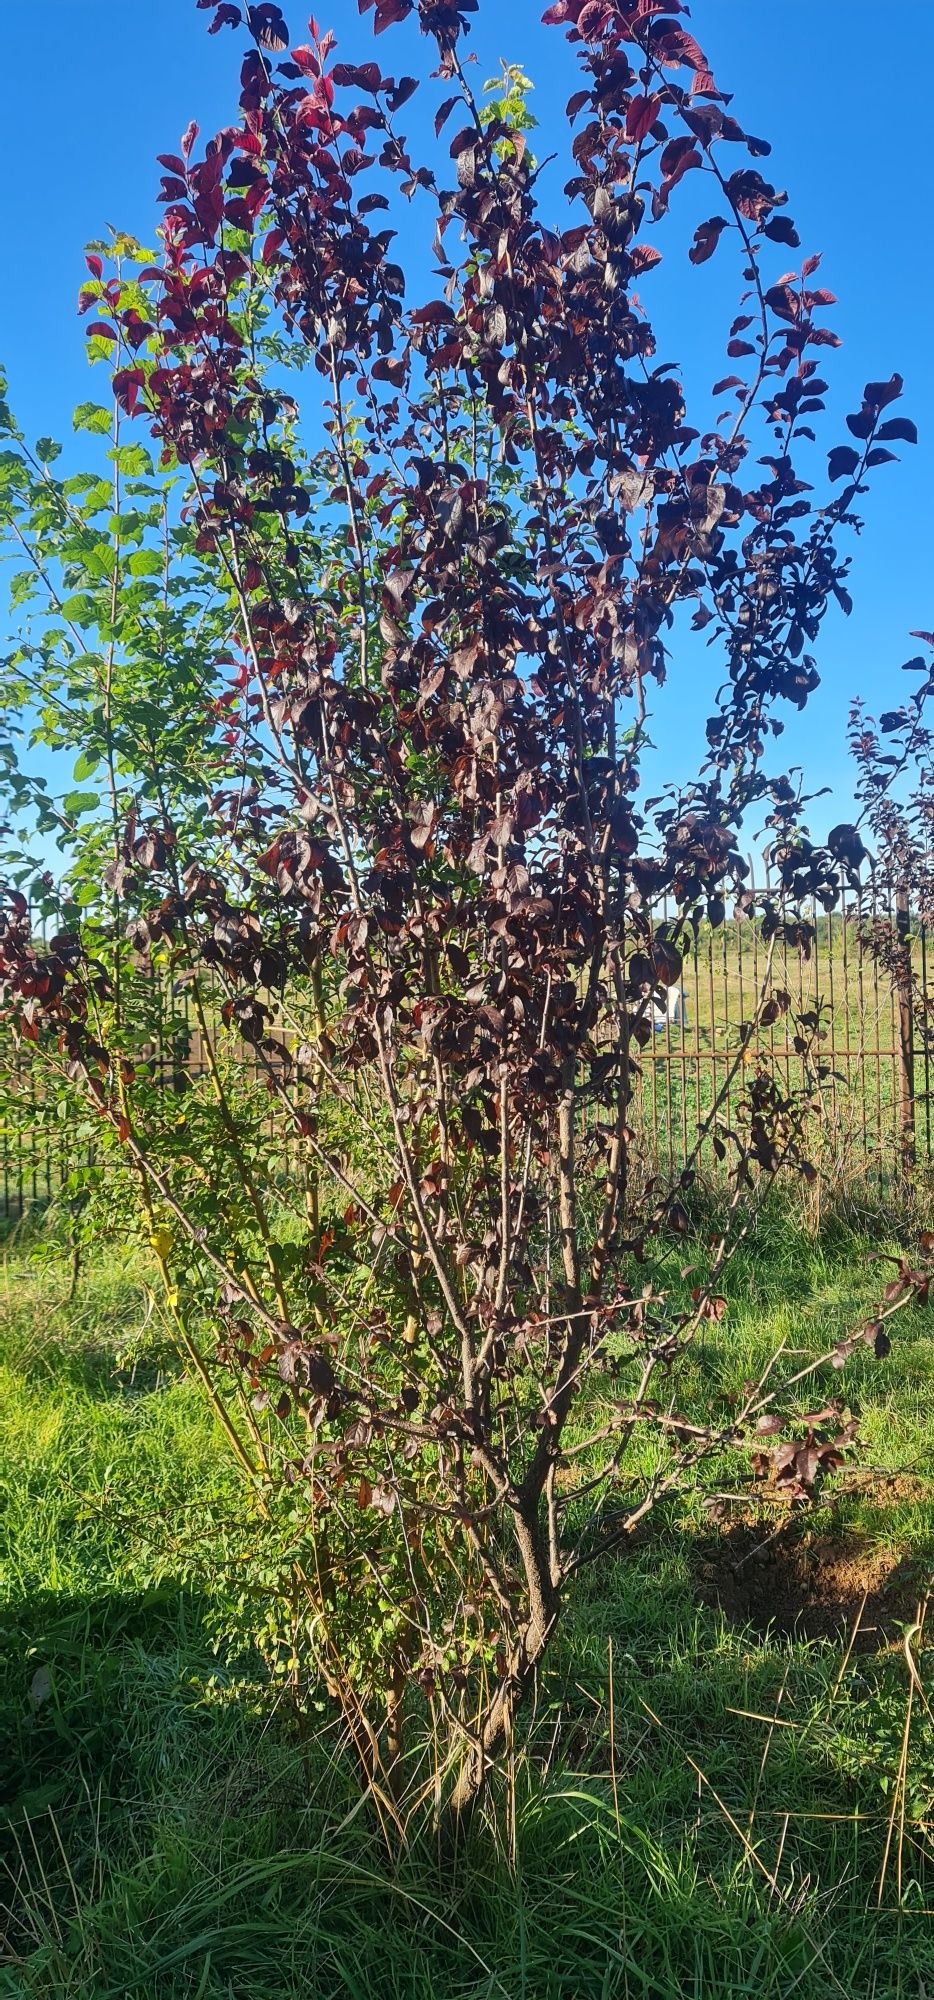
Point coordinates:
[(793, 1580)]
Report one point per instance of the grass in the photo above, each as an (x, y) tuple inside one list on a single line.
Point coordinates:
[(171, 1827)]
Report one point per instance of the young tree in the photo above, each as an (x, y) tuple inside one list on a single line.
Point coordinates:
[(366, 662)]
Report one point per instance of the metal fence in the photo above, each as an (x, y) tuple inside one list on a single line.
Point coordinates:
[(873, 1121)]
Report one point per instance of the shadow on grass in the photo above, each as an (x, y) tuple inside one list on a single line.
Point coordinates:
[(91, 1368), (77, 1339), (67, 1666)]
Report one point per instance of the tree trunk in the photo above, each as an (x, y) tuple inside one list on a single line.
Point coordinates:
[(498, 1719)]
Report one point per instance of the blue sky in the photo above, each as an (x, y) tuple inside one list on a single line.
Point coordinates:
[(91, 90)]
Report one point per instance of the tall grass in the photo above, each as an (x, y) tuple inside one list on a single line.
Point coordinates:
[(702, 1808)]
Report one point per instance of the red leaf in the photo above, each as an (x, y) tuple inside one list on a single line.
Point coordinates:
[(354, 76), (127, 384), (267, 25), (706, 237), (842, 461), (673, 153), (878, 394), (436, 313), (443, 113), (684, 165), (781, 229), (594, 19), (643, 256), (899, 427), (272, 244), (671, 46), (388, 12), (641, 116), (307, 61)]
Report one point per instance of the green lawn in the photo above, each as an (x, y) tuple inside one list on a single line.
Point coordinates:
[(171, 1827)]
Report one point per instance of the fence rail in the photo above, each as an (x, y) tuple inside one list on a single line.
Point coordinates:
[(875, 1118)]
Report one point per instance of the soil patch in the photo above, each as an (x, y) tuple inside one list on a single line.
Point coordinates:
[(883, 1489), (811, 1586)]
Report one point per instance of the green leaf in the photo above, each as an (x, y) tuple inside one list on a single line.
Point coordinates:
[(87, 764), (78, 608), (91, 664), (135, 597), (99, 349), (98, 496), (76, 803), (145, 562), (133, 460), (47, 450), (101, 557), (80, 482), (93, 417), (21, 588)]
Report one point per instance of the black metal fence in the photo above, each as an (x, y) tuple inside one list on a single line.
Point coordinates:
[(874, 1116), (875, 1112)]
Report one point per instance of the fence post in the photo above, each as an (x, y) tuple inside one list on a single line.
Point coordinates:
[(906, 1029)]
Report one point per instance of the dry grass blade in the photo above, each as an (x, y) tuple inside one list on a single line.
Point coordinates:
[(750, 1851), (838, 1683), (899, 1790)]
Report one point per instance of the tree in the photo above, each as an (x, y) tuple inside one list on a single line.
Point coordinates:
[(367, 662)]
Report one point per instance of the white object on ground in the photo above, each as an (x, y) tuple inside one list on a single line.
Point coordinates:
[(668, 1009)]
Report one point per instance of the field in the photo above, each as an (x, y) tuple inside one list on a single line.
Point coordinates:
[(730, 1785)]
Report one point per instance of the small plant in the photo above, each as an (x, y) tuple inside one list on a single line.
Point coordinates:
[(357, 665)]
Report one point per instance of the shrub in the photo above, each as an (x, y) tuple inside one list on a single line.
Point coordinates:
[(359, 665)]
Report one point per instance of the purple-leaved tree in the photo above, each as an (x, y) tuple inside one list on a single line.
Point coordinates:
[(365, 662)]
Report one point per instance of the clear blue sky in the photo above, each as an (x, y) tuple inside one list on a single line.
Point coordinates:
[(91, 90)]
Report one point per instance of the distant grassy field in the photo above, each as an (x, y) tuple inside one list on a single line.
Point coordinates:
[(712, 1805), (857, 1134)]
